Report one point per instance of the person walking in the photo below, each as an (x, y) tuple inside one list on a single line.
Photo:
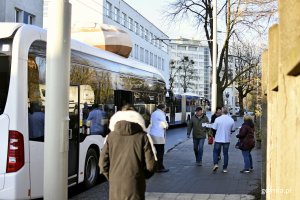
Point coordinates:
[(127, 158), (224, 126), (157, 132), (247, 142), (218, 113), (199, 133)]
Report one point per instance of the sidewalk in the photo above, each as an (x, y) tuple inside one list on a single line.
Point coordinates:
[(187, 181)]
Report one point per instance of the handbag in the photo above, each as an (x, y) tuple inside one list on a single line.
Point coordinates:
[(210, 140), (238, 145)]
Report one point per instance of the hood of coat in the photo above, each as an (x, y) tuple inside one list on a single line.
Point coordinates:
[(250, 124), (127, 122)]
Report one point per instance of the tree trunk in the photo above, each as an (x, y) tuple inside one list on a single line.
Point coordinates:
[(241, 97), (220, 101)]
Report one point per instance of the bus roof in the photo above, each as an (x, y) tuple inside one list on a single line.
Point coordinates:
[(8, 29)]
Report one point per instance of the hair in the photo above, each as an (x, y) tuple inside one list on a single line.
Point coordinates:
[(161, 106), (128, 107), (95, 105), (248, 118), (225, 110), (198, 109), (218, 108)]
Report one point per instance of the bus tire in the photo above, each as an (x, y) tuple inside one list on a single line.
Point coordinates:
[(91, 169)]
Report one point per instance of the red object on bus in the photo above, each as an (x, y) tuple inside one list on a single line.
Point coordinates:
[(15, 153)]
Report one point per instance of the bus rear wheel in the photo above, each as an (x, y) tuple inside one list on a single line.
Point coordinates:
[(91, 169)]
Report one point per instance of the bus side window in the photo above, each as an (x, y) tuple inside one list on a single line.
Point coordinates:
[(36, 97)]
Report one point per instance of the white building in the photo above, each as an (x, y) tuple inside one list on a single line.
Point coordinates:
[(146, 46), (25, 11), (194, 50)]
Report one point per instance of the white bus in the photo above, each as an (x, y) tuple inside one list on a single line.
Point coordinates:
[(181, 107), (96, 76)]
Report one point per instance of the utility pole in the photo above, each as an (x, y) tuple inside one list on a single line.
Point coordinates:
[(57, 102), (214, 60)]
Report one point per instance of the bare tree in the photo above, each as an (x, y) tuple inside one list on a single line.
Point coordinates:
[(246, 59), (174, 69), (183, 72), (239, 16), (187, 73)]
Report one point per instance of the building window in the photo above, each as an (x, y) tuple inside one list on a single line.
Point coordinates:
[(146, 35), (136, 51), (151, 38), (182, 48), (130, 23), (136, 28), (124, 20), (141, 54), (155, 61), (155, 40), (18, 14), (117, 15), (142, 31), (28, 18), (151, 59), (192, 48), (159, 63), (108, 9), (146, 56)]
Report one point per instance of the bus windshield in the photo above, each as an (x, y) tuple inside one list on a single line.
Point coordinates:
[(4, 72)]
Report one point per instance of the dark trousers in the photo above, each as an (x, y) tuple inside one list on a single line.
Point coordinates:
[(160, 151)]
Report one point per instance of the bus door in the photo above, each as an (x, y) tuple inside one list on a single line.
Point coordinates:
[(122, 98), (74, 104)]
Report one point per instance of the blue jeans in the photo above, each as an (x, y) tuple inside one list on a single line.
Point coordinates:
[(217, 150), (247, 159), (198, 148)]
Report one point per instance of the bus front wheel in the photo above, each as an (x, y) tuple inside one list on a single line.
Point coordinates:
[(91, 169)]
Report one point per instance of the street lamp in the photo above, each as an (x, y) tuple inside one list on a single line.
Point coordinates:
[(214, 60)]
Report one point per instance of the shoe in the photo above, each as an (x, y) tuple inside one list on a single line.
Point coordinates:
[(215, 168), (245, 171), (251, 170), (225, 171), (162, 170), (199, 163)]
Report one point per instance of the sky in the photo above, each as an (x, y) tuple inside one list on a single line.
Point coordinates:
[(153, 10)]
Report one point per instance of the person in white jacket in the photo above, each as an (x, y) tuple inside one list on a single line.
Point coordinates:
[(157, 132)]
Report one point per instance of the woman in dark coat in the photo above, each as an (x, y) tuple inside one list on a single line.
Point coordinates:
[(127, 158), (247, 142)]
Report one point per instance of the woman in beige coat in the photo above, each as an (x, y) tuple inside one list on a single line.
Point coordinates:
[(127, 158)]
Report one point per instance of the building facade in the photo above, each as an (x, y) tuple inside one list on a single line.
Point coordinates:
[(199, 54), (148, 45), (25, 11)]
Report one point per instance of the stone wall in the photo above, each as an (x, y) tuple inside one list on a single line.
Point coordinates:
[(281, 87)]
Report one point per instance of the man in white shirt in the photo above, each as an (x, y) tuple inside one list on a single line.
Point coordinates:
[(157, 131), (224, 126)]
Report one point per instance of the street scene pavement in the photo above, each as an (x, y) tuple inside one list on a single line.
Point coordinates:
[(186, 180)]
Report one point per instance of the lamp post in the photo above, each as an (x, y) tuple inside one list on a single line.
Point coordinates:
[(57, 100), (214, 60)]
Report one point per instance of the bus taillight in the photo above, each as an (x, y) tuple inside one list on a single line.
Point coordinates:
[(15, 153)]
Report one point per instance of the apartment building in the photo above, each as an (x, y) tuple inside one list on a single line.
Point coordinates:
[(148, 42), (199, 54), (25, 11)]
